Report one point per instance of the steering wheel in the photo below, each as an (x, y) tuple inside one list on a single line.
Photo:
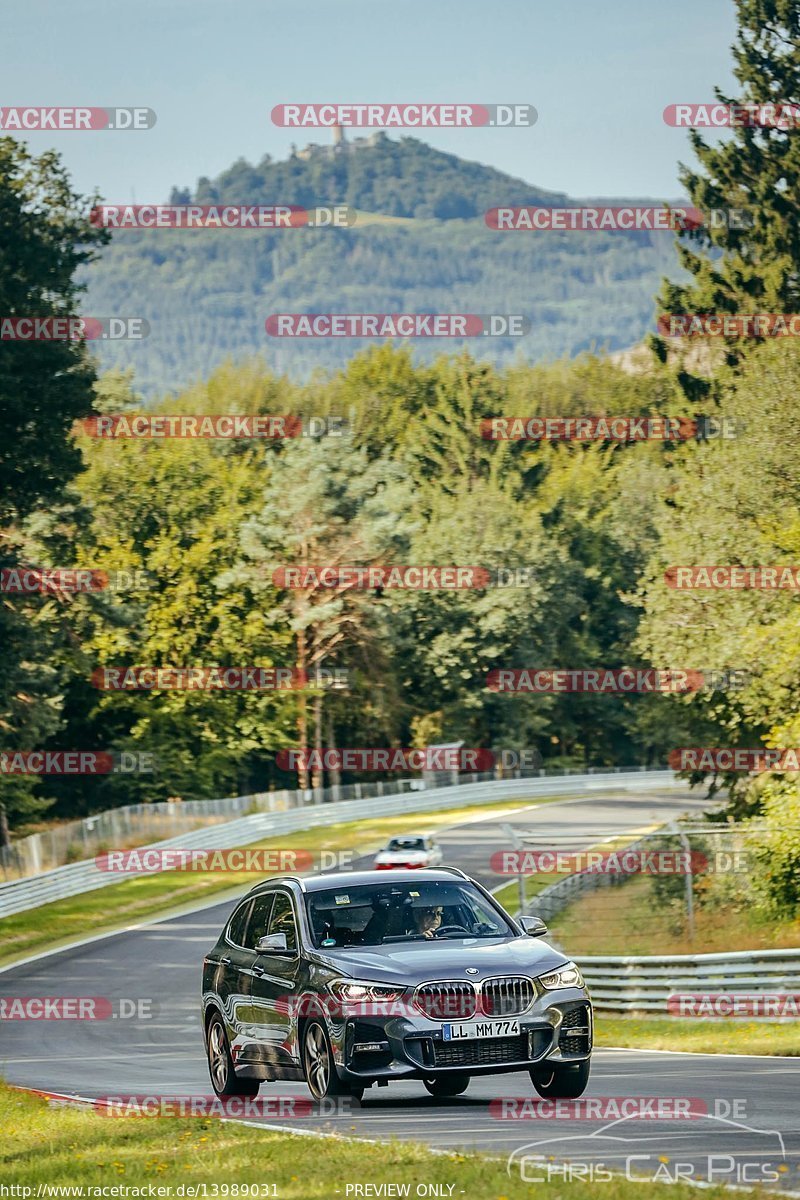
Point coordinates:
[(450, 929)]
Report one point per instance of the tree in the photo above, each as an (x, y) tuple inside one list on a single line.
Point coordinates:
[(734, 502), (324, 504), (45, 386), (750, 263), (170, 512)]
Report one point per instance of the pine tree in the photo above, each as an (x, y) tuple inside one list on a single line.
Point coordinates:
[(750, 262)]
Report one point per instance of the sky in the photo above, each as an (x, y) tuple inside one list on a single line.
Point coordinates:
[(599, 73)]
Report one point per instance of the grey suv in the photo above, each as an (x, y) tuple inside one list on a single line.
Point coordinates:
[(351, 980)]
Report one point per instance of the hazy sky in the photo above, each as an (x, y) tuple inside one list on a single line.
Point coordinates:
[(599, 72)]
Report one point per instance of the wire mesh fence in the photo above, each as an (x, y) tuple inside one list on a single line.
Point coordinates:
[(139, 824)]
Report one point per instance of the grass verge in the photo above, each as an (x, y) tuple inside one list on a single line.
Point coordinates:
[(137, 899), (691, 1035), (631, 919), (70, 1147)]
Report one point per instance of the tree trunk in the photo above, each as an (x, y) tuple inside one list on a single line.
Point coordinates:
[(317, 773), (334, 774), (302, 710)]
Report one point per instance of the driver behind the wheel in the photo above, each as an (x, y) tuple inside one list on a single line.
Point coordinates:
[(428, 920)]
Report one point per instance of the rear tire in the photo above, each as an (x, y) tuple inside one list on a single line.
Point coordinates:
[(224, 1079), (447, 1085), (319, 1068), (561, 1081)]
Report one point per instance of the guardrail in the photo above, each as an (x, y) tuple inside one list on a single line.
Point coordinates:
[(137, 824), (620, 984), (22, 894)]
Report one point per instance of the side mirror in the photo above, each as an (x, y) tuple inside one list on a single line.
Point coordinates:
[(271, 942), (533, 926)]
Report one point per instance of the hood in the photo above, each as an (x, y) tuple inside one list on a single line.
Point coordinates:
[(403, 855), (415, 962)]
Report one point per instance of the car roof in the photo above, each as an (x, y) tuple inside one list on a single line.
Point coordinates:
[(318, 883)]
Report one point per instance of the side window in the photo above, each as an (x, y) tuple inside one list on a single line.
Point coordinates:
[(239, 923), (282, 920), (259, 921)]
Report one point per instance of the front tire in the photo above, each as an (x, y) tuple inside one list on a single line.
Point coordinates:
[(447, 1085), (224, 1079), (319, 1067), (561, 1081)]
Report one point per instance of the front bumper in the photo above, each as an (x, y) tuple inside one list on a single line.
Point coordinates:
[(370, 1049)]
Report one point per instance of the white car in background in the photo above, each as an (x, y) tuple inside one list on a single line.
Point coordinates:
[(409, 850)]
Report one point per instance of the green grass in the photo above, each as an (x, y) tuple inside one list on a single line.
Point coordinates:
[(699, 1036), (138, 899), (630, 919), (80, 1148)]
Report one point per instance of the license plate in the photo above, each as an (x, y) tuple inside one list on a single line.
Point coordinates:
[(479, 1029)]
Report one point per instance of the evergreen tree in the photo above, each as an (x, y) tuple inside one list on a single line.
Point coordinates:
[(748, 263)]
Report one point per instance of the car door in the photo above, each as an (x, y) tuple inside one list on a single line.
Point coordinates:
[(231, 981), (241, 940), (274, 986)]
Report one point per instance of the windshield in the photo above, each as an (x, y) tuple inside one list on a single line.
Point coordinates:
[(373, 914), (406, 843)]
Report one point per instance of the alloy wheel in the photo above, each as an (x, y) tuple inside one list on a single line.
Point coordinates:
[(318, 1062), (217, 1056)]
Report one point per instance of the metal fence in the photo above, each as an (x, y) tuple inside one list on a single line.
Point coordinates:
[(138, 824), (74, 879), (624, 984)]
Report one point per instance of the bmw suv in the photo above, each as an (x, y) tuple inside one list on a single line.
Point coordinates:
[(351, 980)]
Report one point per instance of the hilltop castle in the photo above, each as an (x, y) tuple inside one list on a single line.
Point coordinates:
[(340, 144)]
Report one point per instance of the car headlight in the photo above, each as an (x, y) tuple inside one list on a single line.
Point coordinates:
[(357, 991), (566, 976)]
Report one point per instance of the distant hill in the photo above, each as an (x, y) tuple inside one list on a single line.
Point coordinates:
[(207, 293)]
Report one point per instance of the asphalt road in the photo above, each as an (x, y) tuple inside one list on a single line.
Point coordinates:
[(749, 1135)]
